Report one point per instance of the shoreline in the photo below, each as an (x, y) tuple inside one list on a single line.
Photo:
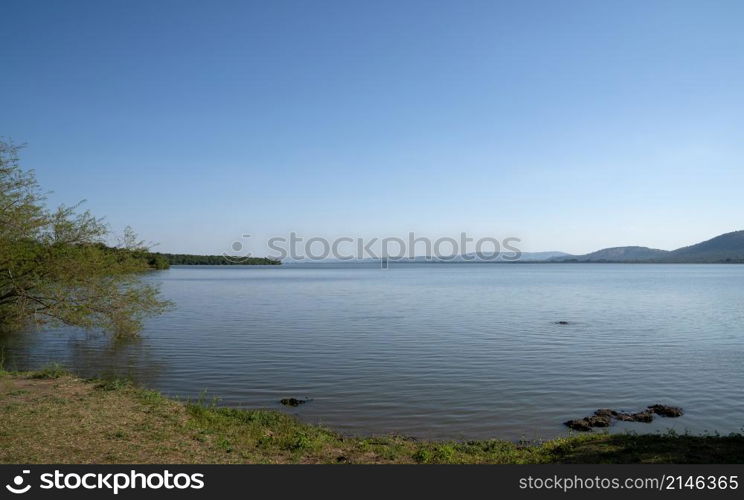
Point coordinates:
[(50, 416)]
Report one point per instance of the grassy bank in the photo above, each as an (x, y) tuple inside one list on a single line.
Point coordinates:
[(52, 417)]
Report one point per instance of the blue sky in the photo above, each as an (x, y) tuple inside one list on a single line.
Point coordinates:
[(571, 125)]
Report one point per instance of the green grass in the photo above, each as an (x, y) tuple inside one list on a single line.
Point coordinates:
[(50, 371), (51, 417)]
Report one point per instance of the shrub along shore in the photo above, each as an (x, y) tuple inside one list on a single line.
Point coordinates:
[(50, 416)]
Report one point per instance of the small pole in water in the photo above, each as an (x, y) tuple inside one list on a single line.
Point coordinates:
[(383, 263)]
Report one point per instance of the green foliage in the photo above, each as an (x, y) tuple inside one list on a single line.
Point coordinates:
[(114, 384), (179, 259), (158, 261), (51, 371), (55, 267)]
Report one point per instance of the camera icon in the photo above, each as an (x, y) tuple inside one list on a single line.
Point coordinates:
[(18, 482)]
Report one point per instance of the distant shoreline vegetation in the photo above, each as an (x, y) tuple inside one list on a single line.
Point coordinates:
[(157, 260)]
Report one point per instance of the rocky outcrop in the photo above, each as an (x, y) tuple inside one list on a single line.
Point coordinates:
[(666, 411), (604, 417), (293, 401)]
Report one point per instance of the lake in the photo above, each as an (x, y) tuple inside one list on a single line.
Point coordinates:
[(443, 351)]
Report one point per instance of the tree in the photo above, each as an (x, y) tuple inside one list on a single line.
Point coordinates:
[(55, 267)]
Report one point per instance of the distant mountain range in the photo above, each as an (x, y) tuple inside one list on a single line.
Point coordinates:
[(727, 247)]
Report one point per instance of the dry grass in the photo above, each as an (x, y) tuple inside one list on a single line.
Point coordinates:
[(67, 420), (50, 417)]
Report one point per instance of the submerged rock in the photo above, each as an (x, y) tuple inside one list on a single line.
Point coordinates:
[(599, 420), (293, 401), (579, 424), (666, 411), (586, 423), (605, 412), (604, 417), (643, 416)]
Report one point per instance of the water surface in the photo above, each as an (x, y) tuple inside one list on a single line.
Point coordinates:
[(437, 350)]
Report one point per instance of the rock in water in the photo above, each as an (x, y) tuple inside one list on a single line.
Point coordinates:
[(605, 412), (666, 411), (642, 416), (586, 423), (599, 420), (580, 424), (293, 401), (605, 416)]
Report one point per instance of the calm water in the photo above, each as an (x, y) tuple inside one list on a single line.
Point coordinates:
[(439, 350)]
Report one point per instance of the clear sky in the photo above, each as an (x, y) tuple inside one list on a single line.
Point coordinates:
[(573, 125)]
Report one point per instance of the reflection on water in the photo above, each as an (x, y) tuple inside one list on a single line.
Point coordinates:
[(442, 351), (90, 354)]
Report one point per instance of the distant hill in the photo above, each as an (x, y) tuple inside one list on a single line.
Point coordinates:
[(619, 254), (727, 247)]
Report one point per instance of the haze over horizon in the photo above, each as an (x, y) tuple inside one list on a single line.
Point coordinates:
[(573, 127)]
